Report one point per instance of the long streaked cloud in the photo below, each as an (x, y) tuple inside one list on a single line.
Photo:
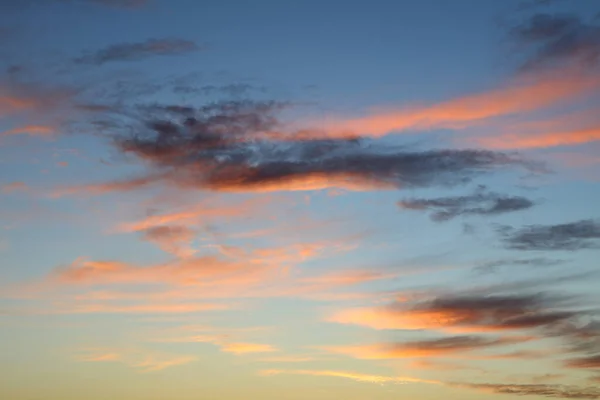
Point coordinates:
[(138, 51), (142, 360), (524, 94), (439, 347), (545, 390), (492, 266), (582, 234), (225, 343), (479, 203), (468, 313), (355, 376), (539, 390)]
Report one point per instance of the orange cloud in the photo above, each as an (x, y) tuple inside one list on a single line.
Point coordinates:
[(522, 95), (308, 182), (142, 360), (34, 130), (441, 347), (201, 213), (13, 187), (459, 314), (541, 140), (224, 342), (246, 348), (350, 375), (172, 239), (288, 359), (152, 308)]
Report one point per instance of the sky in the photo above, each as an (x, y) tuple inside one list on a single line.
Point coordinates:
[(299, 199)]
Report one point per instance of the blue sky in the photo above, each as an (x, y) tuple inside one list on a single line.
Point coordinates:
[(305, 199)]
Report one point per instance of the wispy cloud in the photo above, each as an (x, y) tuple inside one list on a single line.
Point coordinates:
[(559, 38), (523, 95), (138, 51), (469, 313), (440, 347), (141, 360), (543, 390), (355, 376), (13, 187), (479, 203), (583, 234)]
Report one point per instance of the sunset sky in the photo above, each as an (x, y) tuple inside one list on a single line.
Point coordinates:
[(273, 199)]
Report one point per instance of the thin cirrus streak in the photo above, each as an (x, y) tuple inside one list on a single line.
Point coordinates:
[(523, 95), (140, 359), (441, 347), (33, 130), (224, 342), (355, 376), (523, 141)]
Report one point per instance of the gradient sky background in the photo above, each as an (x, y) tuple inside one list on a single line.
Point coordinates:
[(299, 199)]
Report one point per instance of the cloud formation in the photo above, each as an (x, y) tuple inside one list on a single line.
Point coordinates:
[(479, 203), (138, 51), (439, 347), (540, 390), (578, 235), (467, 313), (349, 375), (523, 94), (228, 146), (559, 38), (142, 360)]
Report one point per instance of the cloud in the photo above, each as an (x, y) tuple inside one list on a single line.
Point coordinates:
[(288, 359), (150, 308), (537, 140), (558, 38), (225, 342), (585, 362), (228, 147), (522, 95), (199, 214), (439, 347), (492, 266), (33, 130), (138, 51), (468, 313), (142, 360), (545, 390), (247, 348), (582, 234), (479, 203), (118, 3), (350, 375), (172, 239), (13, 187)]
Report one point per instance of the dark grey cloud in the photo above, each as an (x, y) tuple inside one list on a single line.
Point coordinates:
[(138, 51), (583, 234), (479, 203), (554, 39), (540, 390)]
